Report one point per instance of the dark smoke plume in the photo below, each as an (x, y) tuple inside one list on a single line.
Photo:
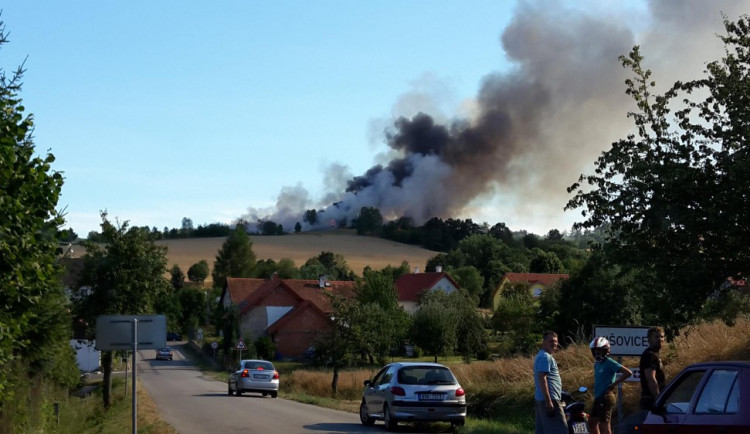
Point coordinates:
[(534, 128)]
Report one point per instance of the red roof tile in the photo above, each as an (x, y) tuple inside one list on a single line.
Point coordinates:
[(409, 286), (303, 290)]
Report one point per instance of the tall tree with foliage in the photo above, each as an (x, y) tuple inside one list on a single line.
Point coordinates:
[(235, 259), (434, 325), (126, 276), (177, 277), (198, 272), (675, 192), (34, 323), (337, 345), (384, 322)]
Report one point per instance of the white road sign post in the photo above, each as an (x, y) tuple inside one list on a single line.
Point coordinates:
[(624, 340), (240, 346), (128, 332)]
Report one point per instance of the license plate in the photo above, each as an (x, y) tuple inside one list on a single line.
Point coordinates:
[(431, 396), (580, 428), (260, 377)]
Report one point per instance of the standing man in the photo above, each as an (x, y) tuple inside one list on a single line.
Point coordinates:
[(652, 370), (550, 418)]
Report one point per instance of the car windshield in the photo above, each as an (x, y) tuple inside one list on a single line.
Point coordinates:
[(425, 375), (261, 366)]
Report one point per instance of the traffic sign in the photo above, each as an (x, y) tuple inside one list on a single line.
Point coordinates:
[(624, 340), (240, 345), (214, 345)]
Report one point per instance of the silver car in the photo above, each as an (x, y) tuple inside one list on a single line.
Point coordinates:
[(254, 376), (412, 391)]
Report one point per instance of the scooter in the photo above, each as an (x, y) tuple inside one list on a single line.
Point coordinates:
[(578, 419)]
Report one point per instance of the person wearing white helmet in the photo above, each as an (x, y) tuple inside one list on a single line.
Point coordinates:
[(605, 380)]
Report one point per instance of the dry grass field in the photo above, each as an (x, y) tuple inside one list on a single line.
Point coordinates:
[(359, 251)]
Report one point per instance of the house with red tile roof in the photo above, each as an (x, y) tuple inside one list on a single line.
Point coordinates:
[(537, 282), (291, 311), (411, 286)]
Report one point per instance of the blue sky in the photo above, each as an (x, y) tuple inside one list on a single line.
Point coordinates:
[(157, 111)]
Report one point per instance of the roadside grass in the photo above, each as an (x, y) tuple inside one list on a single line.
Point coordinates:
[(88, 416), (500, 392)]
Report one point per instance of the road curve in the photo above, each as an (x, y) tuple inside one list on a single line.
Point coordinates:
[(196, 404)]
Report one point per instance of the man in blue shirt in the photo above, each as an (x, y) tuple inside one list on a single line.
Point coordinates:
[(550, 418), (605, 380)]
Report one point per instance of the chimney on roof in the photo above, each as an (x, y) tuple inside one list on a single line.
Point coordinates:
[(416, 270), (438, 268)]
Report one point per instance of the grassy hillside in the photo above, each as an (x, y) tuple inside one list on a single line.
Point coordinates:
[(359, 251)]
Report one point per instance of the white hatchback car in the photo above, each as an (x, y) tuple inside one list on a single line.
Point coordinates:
[(254, 376), (409, 391)]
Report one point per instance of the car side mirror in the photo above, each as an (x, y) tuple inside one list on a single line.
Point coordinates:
[(367, 382), (658, 410)]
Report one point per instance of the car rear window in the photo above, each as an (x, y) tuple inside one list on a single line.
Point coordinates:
[(425, 375), (266, 366)]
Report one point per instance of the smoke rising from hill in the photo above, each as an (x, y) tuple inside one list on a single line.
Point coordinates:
[(533, 128)]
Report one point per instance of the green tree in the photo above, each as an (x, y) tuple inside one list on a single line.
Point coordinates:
[(337, 345), (434, 325), (311, 217), (515, 318), (545, 262), (383, 322), (297, 228), (34, 323), (126, 276), (470, 280), (177, 277), (193, 304), (369, 221), (235, 258), (198, 272), (673, 194)]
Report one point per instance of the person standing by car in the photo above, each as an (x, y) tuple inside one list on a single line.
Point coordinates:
[(652, 370), (550, 418), (605, 380)]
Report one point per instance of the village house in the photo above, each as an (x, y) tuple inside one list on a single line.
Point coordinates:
[(411, 286), (537, 282), (290, 311)]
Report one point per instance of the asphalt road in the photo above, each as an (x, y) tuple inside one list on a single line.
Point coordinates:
[(196, 404)]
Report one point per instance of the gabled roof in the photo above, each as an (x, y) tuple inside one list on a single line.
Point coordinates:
[(298, 310), (546, 279), (409, 286), (239, 288), (302, 290)]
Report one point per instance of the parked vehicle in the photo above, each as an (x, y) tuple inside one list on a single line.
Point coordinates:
[(575, 414), (164, 354), (174, 336), (254, 376), (413, 391), (705, 398)]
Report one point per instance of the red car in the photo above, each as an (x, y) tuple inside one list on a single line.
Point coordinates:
[(706, 398)]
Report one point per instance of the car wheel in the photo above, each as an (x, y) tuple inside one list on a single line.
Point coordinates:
[(264, 394), (274, 394), (390, 422), (364, 415), (239, 392), (229, 390)]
